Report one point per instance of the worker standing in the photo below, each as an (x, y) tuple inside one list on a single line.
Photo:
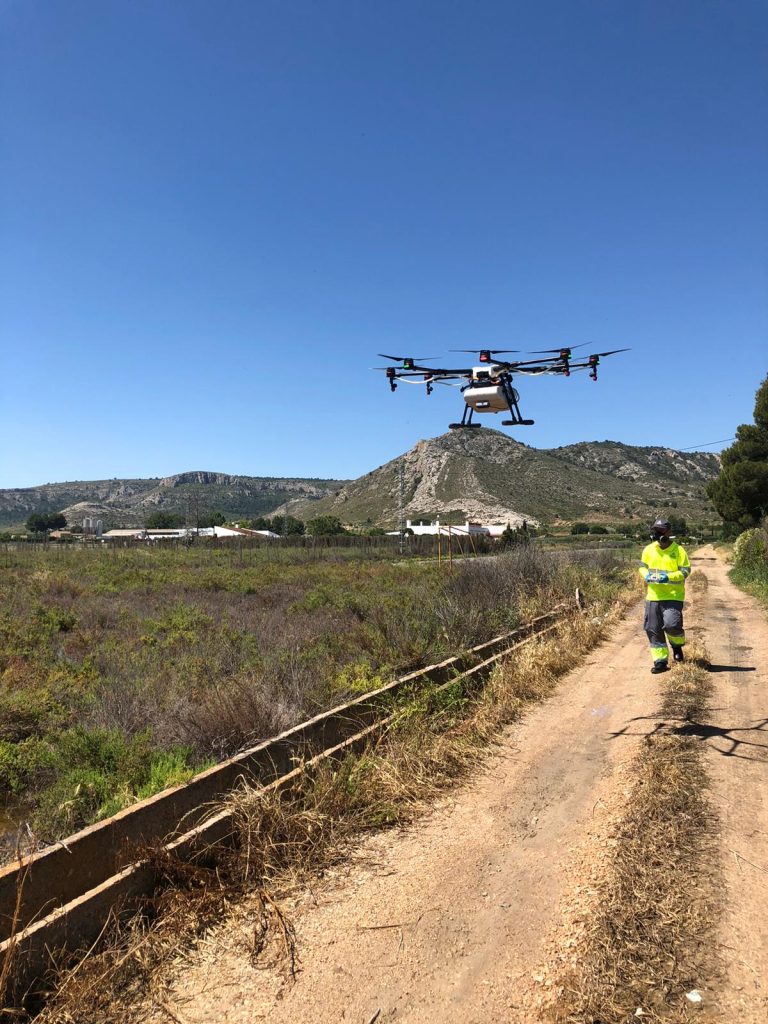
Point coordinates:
[(665, 567)]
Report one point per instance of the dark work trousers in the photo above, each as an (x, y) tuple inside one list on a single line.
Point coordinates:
[(664, 617)]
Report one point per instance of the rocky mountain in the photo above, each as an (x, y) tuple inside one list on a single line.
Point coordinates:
[(128, 502), (630, 463), (476, 474), (489, 476)]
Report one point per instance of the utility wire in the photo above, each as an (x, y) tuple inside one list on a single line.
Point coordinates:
[(707, 445)]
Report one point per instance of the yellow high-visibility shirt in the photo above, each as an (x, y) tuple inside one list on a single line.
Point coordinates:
[(673, 561)]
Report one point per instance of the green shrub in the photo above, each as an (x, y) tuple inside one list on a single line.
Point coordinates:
[(359, 677), (94, 773), (750, 557), (751, 549), (182, 623), (22, 764)]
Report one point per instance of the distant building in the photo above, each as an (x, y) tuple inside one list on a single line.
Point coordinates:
[(247, 531), (467, 529), (460, 530), (224, 531), (497, 529), (186, 533)]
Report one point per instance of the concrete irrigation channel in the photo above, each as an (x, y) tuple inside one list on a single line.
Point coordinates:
[(60, 898)]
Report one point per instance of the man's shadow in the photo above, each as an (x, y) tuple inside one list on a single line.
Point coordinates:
[(705, 732)]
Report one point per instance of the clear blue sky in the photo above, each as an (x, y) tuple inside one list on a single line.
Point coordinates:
[(214, 214)]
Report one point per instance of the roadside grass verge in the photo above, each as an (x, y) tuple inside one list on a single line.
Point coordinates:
[(650, 939), (753, 580), (284, 839)]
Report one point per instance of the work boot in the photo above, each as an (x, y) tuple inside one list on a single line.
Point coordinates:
[(677, 654), (659, 666)]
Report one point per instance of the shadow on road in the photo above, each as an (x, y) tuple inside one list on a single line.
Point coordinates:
[(707, 733), (730, 668)]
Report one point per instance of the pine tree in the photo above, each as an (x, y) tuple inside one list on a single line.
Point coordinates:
[(740, 492)]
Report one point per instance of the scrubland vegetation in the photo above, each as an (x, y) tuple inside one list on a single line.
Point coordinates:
[(750, 562), (125, 671), (285, 838)]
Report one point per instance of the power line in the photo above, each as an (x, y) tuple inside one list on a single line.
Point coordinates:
[(707, 445)]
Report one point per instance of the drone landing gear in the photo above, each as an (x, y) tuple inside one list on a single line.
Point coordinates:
[(512, 397), (466, 421)]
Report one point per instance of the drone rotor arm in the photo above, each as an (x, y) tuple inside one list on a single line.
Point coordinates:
[(421, 379)]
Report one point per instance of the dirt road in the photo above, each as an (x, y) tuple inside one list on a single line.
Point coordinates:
[(452, 919), (736, 633)]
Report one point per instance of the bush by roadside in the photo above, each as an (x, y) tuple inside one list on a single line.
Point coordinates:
[(750, 561)]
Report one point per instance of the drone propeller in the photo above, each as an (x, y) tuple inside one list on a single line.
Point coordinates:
[(611, 353), (485, 355), (559, 351), (408, 361)]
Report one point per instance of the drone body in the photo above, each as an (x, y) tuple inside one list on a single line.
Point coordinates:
[(486, 397), (488, 388)]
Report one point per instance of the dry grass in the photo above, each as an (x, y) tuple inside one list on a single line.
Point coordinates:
[(650, 939), (286, 838), (9, 957), (697, 582)]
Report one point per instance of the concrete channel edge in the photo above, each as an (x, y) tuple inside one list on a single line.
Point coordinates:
[(68, 891)]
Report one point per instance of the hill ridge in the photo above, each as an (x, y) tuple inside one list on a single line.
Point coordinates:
[(476, 474), (127, 501), (485, 474)]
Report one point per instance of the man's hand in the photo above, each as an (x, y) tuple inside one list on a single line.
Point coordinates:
[(657, 577)]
